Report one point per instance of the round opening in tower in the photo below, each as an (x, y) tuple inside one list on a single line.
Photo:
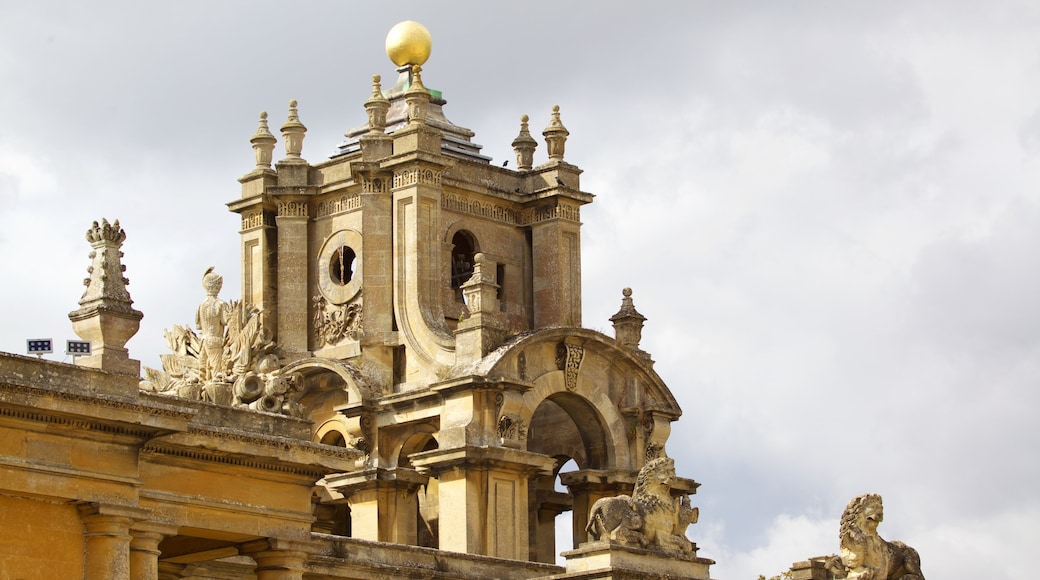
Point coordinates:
[(341, 265)]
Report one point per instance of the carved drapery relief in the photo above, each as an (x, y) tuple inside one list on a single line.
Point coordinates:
[(341, 204), (335, 322), (568, 360)]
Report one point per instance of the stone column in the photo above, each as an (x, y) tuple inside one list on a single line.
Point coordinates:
[(144, 549), (279, 564), (107, 535)]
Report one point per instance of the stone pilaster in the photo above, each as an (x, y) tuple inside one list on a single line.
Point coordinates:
[(382, 503), (483, 496)]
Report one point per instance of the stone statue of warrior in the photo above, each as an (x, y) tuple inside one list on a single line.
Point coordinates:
[(211, 319)]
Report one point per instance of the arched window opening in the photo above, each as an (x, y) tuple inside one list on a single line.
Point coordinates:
[(564, 520), (334, 438), (428, 516), (464, 247), (341, 265)]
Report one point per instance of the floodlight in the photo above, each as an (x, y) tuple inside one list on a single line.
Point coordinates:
[(39, 346), (77, 347)]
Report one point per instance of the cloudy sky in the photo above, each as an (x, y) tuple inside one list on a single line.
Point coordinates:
[(829, 213)]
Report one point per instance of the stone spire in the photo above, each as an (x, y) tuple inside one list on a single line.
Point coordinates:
[(376, 106), (524, 146), (263, 143), (418, 98), (292, 133), (628, 325), (555, 135), (105, 317)]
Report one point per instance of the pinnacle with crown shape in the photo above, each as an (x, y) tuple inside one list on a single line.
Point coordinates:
[(105, 317)]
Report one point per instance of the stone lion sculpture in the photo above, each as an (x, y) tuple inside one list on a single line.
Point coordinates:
[(650, 517), (864, 554)]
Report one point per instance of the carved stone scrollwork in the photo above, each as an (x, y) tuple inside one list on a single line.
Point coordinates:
[(341, 204), (653, 451), (362, 445), (255, 219), (374, 184), (568, 359), (512, 427), (335, 322), (415, 176), (292, 208)]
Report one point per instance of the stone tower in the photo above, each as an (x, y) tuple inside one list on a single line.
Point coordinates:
[(428, 305)]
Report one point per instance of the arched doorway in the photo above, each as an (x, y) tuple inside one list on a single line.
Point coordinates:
[(566, 427)]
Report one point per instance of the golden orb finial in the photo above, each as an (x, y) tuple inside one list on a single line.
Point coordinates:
[(408, 42)]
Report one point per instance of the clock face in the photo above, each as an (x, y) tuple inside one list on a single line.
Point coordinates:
[(339, 267)]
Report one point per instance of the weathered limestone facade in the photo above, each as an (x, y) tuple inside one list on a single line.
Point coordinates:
[(393, 394)]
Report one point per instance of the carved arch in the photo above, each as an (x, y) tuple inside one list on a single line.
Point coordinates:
[(606, 389)]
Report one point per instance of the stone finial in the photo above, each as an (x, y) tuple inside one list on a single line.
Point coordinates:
[(263, 143), (555, 135), (480, 290), (524, 146), (417, 98), (376, 106), (105, 317), (628, 323), (293, 132)]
